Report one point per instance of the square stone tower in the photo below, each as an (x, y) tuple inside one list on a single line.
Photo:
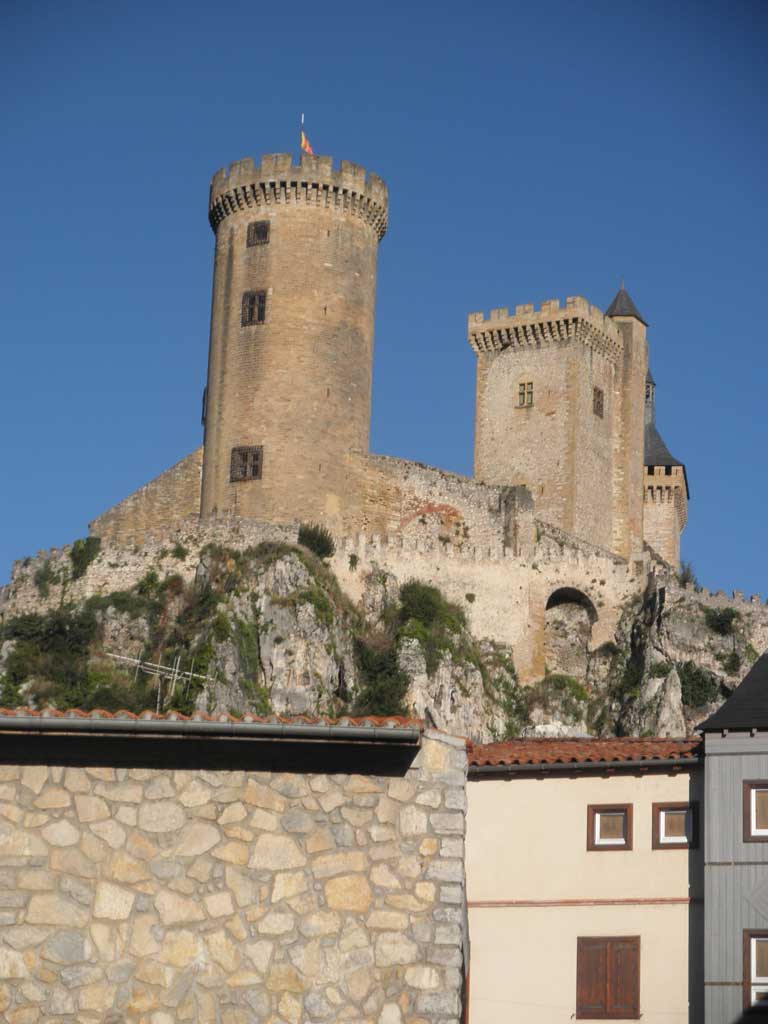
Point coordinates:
[(560, 408)]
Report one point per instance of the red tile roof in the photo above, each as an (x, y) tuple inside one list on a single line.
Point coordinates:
[(374, 721), (545, 751)]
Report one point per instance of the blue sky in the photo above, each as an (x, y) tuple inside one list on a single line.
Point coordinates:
[(532, 151)]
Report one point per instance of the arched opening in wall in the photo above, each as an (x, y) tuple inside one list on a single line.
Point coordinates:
[(568, 622)]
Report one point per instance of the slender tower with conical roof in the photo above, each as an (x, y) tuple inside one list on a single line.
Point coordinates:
[(629, 426), (665, 487)]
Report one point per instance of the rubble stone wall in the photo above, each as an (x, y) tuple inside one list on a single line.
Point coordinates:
[(150, 896)]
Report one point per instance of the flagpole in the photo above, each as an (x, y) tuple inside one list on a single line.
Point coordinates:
[(301, 132)]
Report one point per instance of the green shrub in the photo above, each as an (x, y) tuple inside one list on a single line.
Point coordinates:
[(126, 601), (260, 702), (179, 551), (52, 652), (470, 598), (43, 578), (659, 669), (82, 553), (427, 605), (687, 575), (722, 621), (731, 662), (148, 584), (608, 650), (560, 694), (698, 685), (353, 560), (222, 630), (318, 539), (383, 683)]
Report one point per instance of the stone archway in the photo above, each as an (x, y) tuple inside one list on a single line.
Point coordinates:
[(568, 621)]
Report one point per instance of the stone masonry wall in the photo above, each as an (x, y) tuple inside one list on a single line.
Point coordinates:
[(162, 504), (148, 896), (398, 496)]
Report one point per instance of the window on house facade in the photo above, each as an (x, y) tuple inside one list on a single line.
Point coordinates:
[(674, 826), (246, 464), (608, 978), (598, 402), (254, 308), (525, 393), (258, 233), (755, 811), (609, 827), (755, 967)]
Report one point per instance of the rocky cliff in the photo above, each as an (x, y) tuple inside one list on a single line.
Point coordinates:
[(268, 629)]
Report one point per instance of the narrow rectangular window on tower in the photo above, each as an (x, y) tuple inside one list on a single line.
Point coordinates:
[(521, 394), (246, 464), (598, 402), (529, 394), (254, 308), (258, 233)]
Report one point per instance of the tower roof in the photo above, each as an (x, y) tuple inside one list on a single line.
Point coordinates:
[(649, 377), (747, 707), (656, 452), (623, 305)]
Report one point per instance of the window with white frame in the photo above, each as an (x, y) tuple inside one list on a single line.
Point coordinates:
[(755, 811), (609, 827), (755, 967), (674, 826)]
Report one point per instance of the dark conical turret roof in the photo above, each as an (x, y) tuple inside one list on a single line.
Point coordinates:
[(649, 377), (656, 452), (623, 305), (747, 707)]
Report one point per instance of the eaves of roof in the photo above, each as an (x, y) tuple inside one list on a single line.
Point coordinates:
[(588, 753)]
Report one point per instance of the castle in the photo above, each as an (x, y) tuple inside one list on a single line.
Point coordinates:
[(564, 399), (573, 487)]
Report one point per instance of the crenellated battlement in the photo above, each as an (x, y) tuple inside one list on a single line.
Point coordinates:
[(528, 327), (314, 181)]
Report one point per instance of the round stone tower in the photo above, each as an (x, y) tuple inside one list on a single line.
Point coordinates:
[(291, 348)]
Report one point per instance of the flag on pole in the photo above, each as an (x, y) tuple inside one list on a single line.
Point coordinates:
[(304, 145)]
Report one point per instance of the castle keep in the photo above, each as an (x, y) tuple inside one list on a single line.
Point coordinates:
[(289, 369)]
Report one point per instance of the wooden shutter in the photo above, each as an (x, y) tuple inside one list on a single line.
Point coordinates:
[(624, 978), (608, 978), (591, 978)]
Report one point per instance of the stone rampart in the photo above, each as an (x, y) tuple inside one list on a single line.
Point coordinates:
[(400, 496), (161, 505), (504, 592), (153, 895)]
